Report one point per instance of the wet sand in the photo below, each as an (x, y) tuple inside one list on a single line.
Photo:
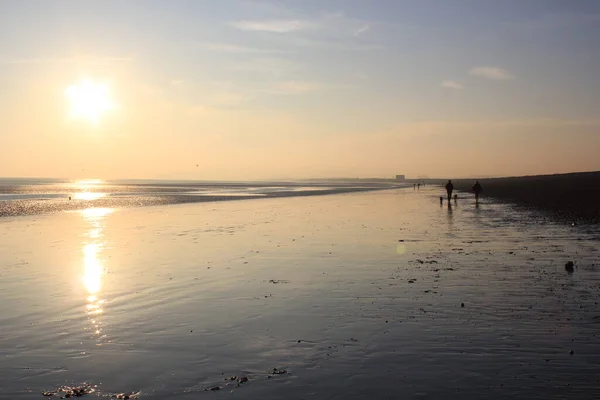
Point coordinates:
[(572, 197), (370, 295)]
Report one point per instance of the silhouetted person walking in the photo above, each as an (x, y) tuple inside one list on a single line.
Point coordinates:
[(449, 189), (419, 186), (477, 189)]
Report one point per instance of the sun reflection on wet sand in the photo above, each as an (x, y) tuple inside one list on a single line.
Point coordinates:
[(92, 278), (88, 196), (93, 268)]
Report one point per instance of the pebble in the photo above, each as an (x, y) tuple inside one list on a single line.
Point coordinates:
[(569, 266)]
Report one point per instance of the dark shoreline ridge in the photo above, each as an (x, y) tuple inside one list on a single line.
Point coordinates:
[(574, 196)]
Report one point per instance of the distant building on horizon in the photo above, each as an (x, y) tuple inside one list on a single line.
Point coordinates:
[(400, 178)]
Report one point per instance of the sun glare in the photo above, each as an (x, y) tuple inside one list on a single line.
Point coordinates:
[(89, 100)]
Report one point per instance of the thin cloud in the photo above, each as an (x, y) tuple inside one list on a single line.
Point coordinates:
[(90, 60), (494, 73), (362, 30), (451, 84), (275, 26), (268, 66), (549, 21), (232, 48), (295, 87), (229, 99)]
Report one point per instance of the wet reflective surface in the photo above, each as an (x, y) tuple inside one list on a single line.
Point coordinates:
[(345, 296), (93, 268), (41, 196)]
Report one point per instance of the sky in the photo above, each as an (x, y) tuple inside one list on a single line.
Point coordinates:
[(245, 90)]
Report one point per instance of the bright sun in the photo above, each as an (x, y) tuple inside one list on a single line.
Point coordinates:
[(88, 100)]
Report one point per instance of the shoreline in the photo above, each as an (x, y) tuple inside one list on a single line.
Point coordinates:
[(573, 197), (16, 208)]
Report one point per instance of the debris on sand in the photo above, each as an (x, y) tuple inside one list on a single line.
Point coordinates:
[(67, 392), (239, 379), (275, 281), (277, 371), (462, 305), (126, 396), (569, 267)]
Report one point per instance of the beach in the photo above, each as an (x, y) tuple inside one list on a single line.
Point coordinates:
[(367, 295), (569, 197)]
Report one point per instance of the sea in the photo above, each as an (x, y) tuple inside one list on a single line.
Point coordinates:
[(35, 196)]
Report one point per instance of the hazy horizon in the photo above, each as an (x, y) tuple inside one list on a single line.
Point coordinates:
[(281, 179), (273, 90)]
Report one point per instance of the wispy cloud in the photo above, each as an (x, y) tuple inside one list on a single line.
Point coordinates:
[(232, 48), (228, 99), (495, 73), (362, 30), (336, 43), (275, 26), (552, 20), (451, 84), (89, 60), (267, 66), (295, 87)]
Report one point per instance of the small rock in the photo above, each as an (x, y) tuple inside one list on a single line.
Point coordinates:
[(215, 388), (244, 379), (571, 352), (462, 305), (569, 267)]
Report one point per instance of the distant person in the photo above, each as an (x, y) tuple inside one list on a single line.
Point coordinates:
[(418, 186), (414, 186), (477, 189), (441, 199), (449, 189)]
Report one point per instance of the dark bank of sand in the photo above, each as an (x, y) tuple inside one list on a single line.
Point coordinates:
[(574, 196)]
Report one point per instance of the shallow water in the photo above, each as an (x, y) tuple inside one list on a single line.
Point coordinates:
[(30, 196), (354, 296)]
